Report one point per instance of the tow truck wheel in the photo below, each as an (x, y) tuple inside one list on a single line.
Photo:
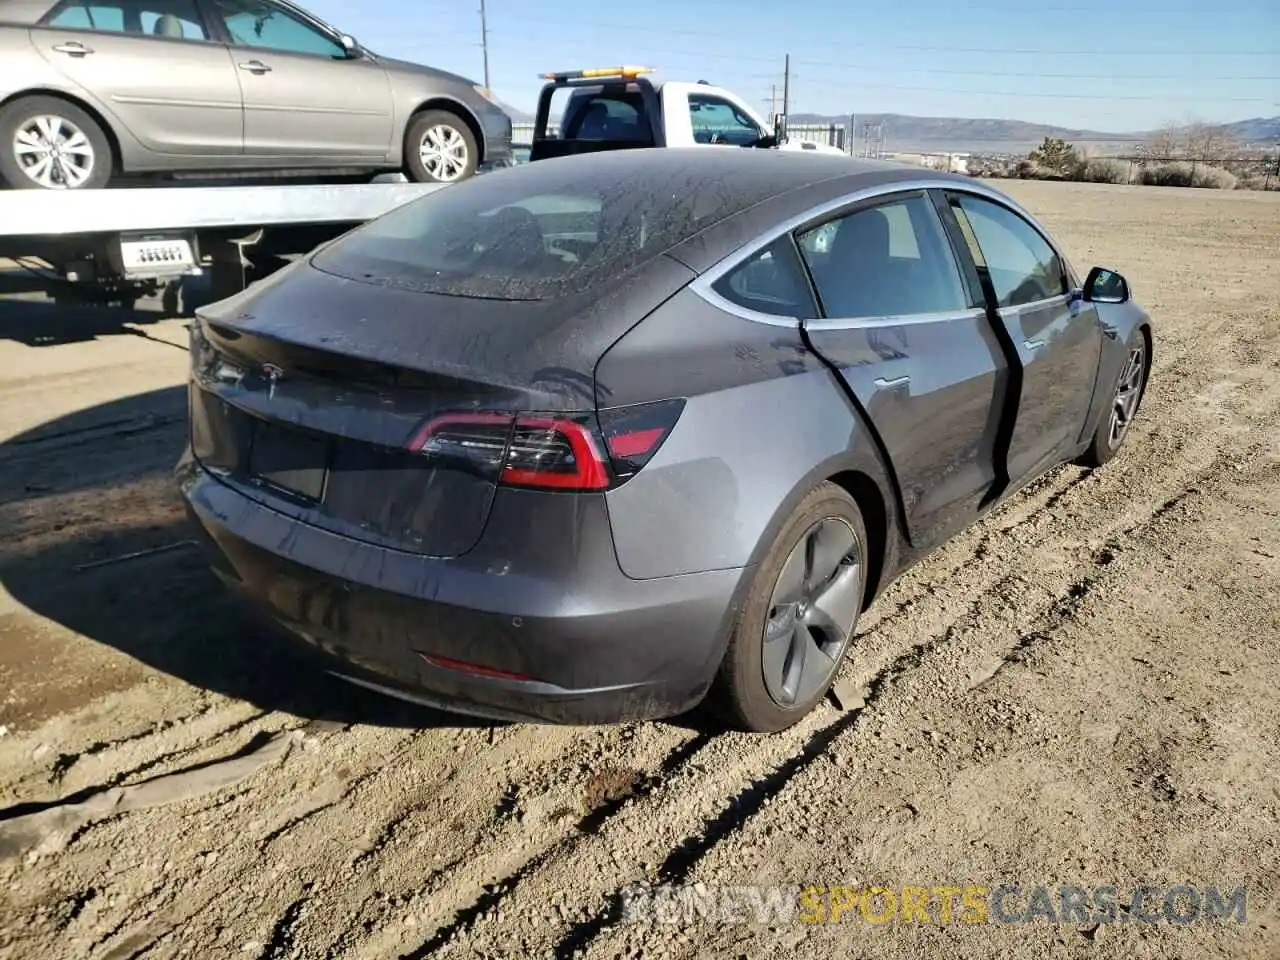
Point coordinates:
[(439, 147), (49, 144)]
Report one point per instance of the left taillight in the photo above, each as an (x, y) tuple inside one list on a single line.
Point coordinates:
[(549, 451)]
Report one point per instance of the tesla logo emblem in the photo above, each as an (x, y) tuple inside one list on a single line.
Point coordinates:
[(273, 375)]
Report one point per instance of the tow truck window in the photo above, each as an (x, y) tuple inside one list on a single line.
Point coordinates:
[(606, 116), (172, 19), (254, 23), (716, 120)]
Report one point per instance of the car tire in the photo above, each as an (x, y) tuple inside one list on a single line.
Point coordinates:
[(86, 167), (1126, 397), (783, 615), (439, 147)]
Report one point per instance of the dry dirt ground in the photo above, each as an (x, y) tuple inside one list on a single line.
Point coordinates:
[(1080, 690)]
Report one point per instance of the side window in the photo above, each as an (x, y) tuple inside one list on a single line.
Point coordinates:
[(174, 19), (1022, 265), (255, 23), (772, 281), (716, 120), (889, 260)]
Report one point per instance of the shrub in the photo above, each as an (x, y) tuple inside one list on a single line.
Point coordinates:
[(1214, 178), (1176, 174), (1103, 170), (1184, 174)]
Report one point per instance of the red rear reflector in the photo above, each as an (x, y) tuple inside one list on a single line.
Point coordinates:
[(635, 443), (473, 669)]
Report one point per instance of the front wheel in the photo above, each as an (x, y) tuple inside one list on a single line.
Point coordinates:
[(1114, 424), (439, 147), (50, 144), (797, 621)]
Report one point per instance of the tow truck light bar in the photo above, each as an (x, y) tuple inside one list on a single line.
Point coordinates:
[(597, 73)]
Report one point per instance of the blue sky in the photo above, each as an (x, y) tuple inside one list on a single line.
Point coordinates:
[(1115, 66)]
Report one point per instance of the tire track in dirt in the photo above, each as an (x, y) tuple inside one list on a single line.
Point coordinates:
[(769, 765)]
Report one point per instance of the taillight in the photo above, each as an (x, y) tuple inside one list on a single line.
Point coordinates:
[(547, 451), (555, 453), (633, 434)]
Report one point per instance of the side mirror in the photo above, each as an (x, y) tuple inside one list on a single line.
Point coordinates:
[(350, 44), (1105, 286)]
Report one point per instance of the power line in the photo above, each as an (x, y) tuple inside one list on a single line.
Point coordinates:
[(1058, 51), (997, 73)]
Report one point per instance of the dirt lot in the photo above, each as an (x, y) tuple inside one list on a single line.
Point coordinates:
[(1081, 690)]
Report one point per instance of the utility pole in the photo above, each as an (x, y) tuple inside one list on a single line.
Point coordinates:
[(484, 42), (786, 93)]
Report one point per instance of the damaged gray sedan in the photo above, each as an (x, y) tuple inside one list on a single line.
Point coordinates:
[(597, 438)]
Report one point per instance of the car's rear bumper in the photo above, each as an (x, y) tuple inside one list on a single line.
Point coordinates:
[(574, 639)]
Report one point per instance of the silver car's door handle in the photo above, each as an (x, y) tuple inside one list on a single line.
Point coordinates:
[(73, 49), (1033, 344), (894, 382), (255, 66)]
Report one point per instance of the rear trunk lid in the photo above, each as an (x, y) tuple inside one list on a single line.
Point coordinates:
[(309, 390)]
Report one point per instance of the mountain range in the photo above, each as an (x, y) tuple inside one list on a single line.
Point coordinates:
[(906, 133)]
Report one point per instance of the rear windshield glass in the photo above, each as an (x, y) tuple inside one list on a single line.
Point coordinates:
[(536, 232)]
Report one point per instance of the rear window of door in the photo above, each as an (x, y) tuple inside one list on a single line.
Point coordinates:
[(887, 260), (171, 19), (1024, 268), (253, 23)]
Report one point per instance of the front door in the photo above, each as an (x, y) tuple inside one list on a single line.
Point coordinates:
[(303, 96), (908, 334), (1056, 334), (153, 66)]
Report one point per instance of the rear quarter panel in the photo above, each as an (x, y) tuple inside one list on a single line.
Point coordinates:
[(764, 422)]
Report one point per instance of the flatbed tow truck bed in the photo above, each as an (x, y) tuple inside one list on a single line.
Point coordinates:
[(117, 243)]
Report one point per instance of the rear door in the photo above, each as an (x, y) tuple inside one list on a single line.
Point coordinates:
[(1056, 334), (152, 64), (700, 116), (906, 329), (303, 97)]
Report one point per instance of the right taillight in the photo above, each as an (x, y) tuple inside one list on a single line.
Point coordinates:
[(550, 451), (633, 434)]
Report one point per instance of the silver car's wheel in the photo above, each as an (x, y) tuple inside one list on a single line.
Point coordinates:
[(1128, 393), (812, 612), (444, 153), (439, 147), (54, 152)]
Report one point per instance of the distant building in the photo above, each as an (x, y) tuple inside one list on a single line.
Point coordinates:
[(951, 162)]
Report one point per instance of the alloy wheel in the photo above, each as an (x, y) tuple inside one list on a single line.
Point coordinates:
[(443, 152), (1128, 394), (812, 612), (54, 152)]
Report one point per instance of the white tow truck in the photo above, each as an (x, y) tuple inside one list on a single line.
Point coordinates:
[(619, 108)]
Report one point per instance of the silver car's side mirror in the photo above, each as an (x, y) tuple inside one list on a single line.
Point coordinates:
[(350, 45)]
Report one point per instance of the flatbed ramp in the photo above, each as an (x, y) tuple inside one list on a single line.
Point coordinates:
[(63, 213)]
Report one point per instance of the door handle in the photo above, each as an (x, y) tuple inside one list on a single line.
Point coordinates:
[(73, 49), (255, 66), (1033, 344), (894, 382)]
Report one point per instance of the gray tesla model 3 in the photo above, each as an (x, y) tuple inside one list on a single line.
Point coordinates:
[(591, 439)]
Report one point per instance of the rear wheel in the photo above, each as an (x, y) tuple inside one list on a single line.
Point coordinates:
[(1113, 425), (796, 623), (50, 144), (439, 147)]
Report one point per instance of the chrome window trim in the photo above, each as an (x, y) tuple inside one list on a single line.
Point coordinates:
[(896, 320), (703, 284)]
